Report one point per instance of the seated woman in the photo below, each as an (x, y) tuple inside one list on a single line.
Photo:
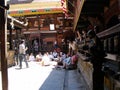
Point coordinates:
[(46, 59), (74, 59), (31, 57), (61, 57), (39, 57), (51, 56)]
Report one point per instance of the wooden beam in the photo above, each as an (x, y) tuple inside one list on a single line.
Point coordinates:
[(16, 22), (3, 45), (78, 8)]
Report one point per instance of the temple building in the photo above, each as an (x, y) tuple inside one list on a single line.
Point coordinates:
[(49, 21)]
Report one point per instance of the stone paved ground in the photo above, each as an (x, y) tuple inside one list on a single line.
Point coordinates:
[(38, 77)]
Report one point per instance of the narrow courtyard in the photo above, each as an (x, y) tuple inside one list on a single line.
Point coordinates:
[(38, 77)]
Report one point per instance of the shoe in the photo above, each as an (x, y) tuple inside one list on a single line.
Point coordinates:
[(20, 67), (64, 67), (27, 67)]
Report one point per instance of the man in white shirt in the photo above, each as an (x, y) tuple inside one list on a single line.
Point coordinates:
[(22, 54)]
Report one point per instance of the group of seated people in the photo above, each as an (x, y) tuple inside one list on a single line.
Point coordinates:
[(61, 58)]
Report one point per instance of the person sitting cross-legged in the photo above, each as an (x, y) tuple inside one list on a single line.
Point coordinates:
[(70, 62), (67, 61), (39, 57), (31, 57), (46, 59)]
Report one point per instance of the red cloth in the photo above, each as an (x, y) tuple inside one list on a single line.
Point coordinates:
[(74, 59)]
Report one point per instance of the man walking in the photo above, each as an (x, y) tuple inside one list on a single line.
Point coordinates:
[(22, 54)]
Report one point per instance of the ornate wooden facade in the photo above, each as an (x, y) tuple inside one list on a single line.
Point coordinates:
[(101, 13), (40, 16)]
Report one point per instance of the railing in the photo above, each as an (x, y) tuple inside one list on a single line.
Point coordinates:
[(113, 30)]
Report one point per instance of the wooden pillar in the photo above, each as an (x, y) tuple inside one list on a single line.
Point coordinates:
[(3, 45), (38, 17), (10, 39)]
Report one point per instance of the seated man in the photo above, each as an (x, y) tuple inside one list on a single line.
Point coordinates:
[(70, 62), (67, 61)]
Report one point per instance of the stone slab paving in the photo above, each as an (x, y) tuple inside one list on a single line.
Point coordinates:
[(38, 77), (76, 81)]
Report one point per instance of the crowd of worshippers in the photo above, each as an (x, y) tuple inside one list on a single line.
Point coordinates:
[(63, 60)]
